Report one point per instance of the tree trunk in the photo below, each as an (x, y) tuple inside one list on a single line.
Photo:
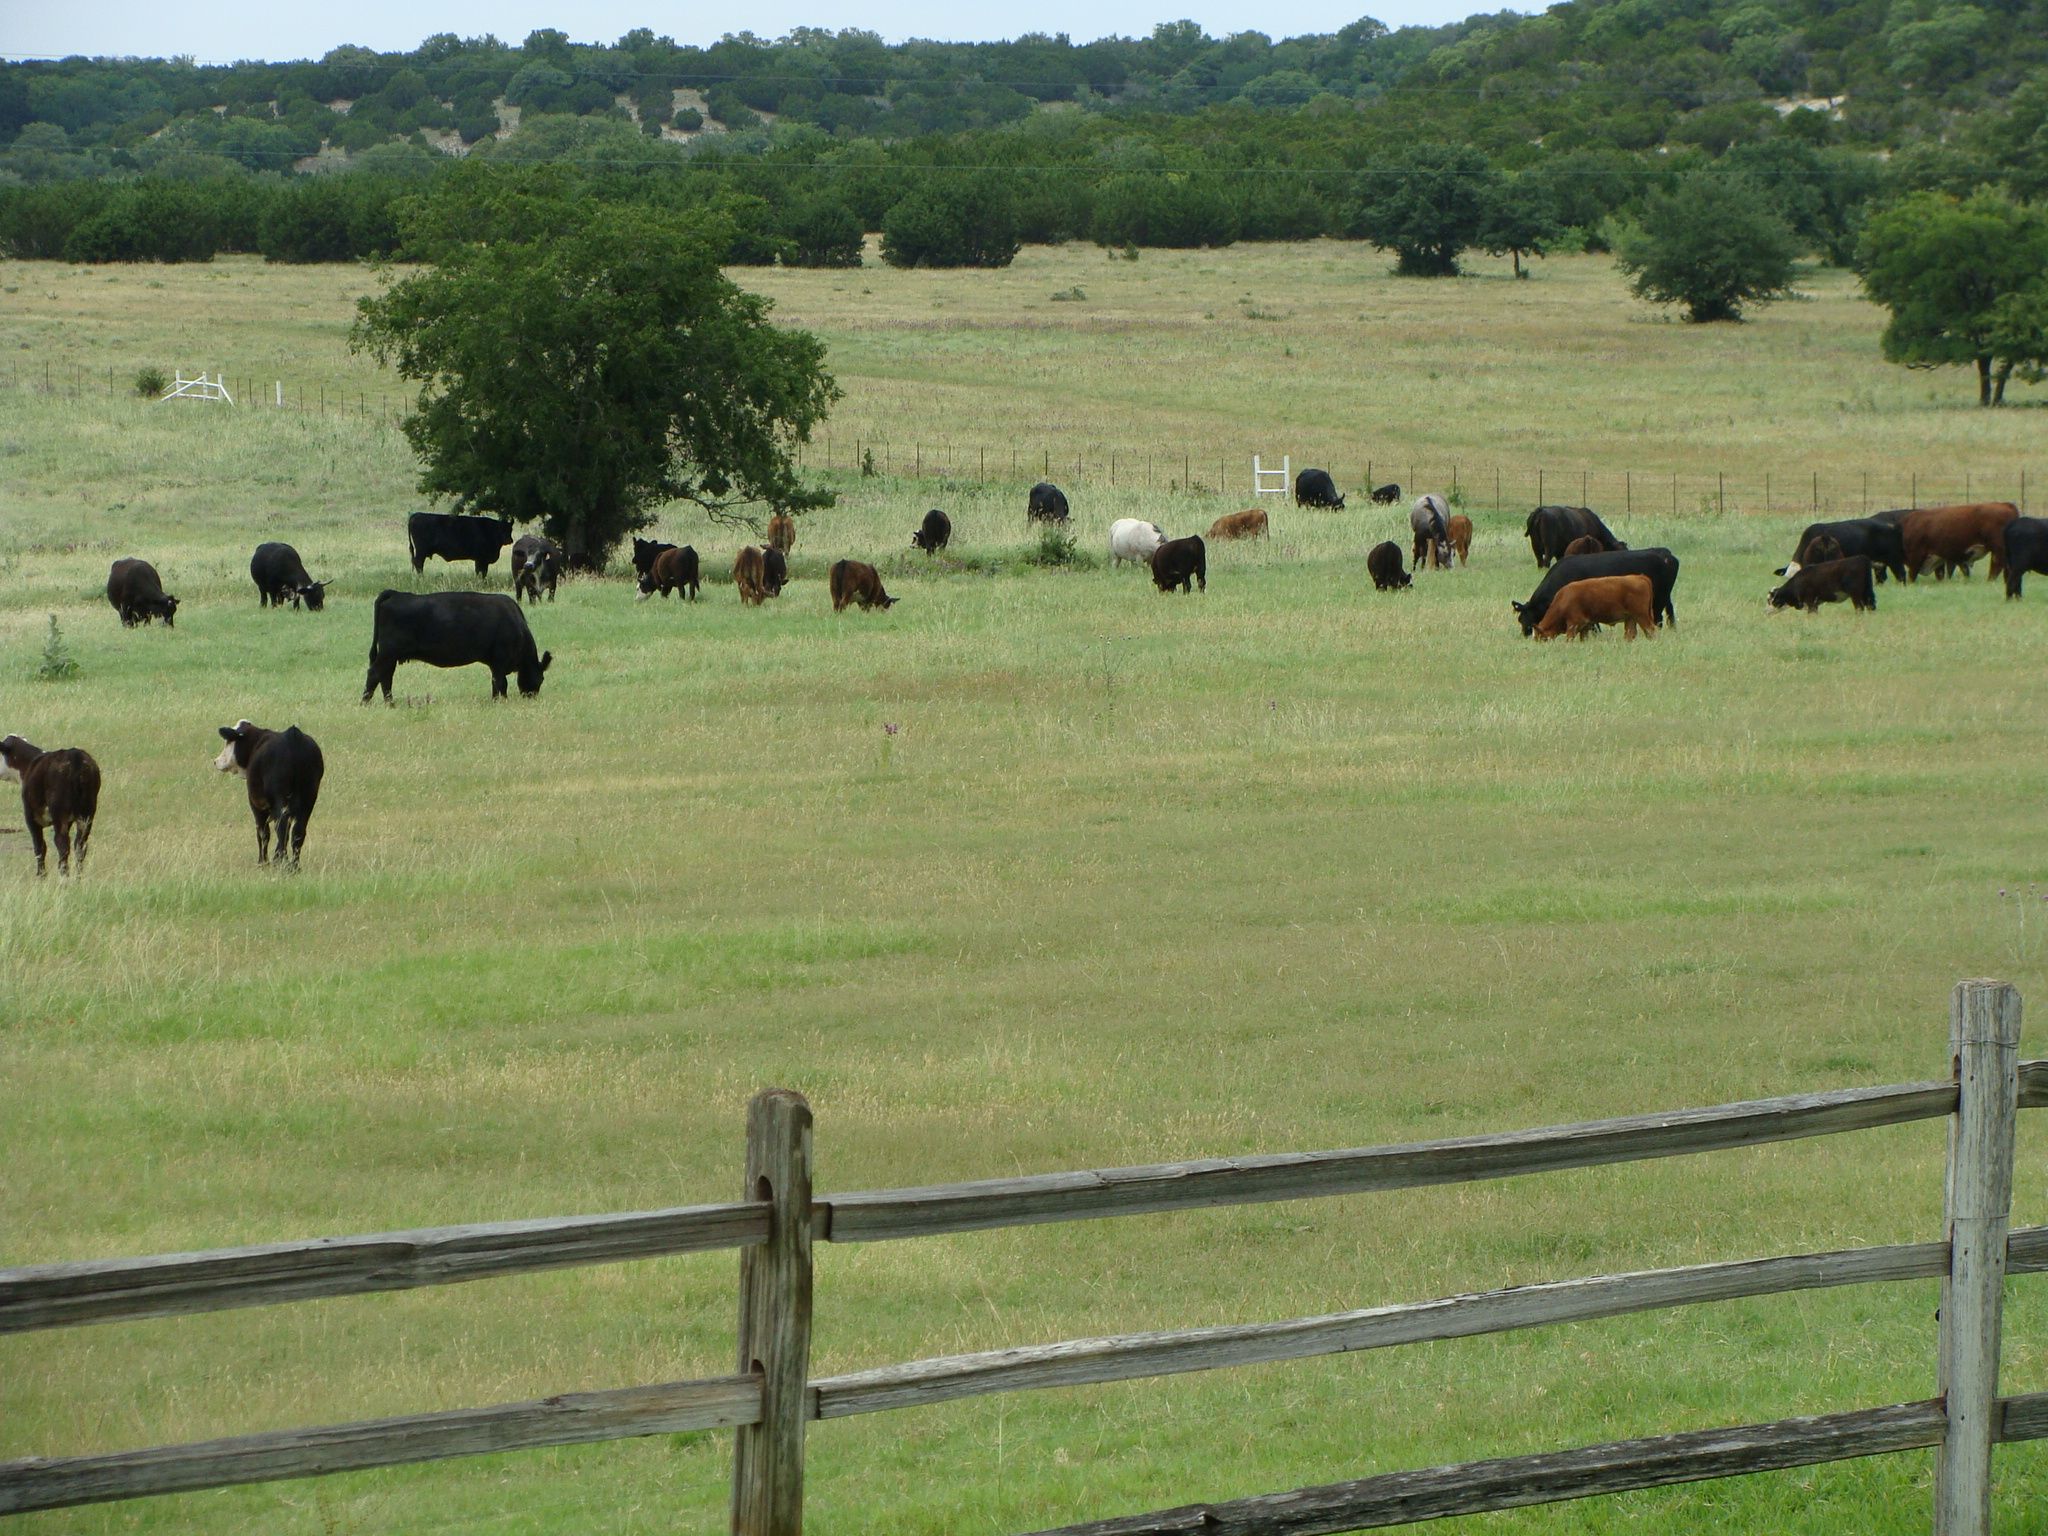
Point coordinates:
[(1517, 256), (1998, 383), (1983, 381)]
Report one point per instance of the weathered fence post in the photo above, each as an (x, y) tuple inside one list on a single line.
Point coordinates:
[(1984, 1037), (775, 1319)]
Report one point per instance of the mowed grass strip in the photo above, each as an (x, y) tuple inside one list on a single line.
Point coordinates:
[(1288, 865)]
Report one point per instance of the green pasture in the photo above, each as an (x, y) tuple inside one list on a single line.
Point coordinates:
[(1286, 865)]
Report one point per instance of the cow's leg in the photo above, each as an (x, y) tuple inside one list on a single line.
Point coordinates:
[(35, 837), (81, 832), (262, 833), (298, 835), (497, 685), (483, 568), (283, 827), (60, 828)]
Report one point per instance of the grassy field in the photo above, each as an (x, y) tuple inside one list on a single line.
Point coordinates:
[(1284, 866)]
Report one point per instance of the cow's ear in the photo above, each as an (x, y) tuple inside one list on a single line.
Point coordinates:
[(227, 733), (545, 658)]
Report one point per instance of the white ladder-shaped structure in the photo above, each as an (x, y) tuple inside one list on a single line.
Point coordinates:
[(1272, 482), (201, 388)]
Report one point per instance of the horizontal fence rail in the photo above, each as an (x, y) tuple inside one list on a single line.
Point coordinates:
[(60, 1295)]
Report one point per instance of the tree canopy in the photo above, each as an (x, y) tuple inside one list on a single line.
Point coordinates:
[(1712, 244), (590, 369)]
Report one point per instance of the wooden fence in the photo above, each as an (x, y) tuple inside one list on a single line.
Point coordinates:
[(770, 1398)]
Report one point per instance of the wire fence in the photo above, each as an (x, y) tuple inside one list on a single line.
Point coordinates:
[(1210, 470)]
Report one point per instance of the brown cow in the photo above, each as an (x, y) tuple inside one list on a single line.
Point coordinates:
[(782, 532), (672, 570), (59, 790), (750, 575), (851, 581), (1459, 529), (1600, 600), (1240, 525), (1584, 544), (1954, 535)]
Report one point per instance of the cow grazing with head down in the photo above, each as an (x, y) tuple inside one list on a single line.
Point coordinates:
[(283, 770), (1427, 520), (1133, 539), (2026, 549), (1240, 525), (1876, 537), (852, 581), (1955, 535), (453, 537), (280, 577), (1315, 488), (59, 790), (645, 552), (1385, 495), (1829, 581), (1580, 607), (137, 593), (536, 564), (759, 574), (1047, 504), (672, 570), (1551, 529), (1660, 565), (934, 533), (1177, 562), (1383, 564), (1459, 530), (454, 629)]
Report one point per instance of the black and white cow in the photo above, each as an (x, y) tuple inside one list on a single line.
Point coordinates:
[(283, 770)]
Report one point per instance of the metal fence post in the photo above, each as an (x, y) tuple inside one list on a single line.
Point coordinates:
[(1984, 1038), (775, 1319)]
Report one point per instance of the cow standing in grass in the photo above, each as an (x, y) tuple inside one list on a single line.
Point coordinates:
[(283, 770), (59, 790)]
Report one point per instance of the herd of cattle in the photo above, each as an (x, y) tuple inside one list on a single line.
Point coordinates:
[(1591, 578)]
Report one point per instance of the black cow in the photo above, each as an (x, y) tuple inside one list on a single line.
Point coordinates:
[(1383, 564), (1315, 488), (2026, 549), (59, 790), (1048, 504), (934, 533), (1877, 537), (284, 770), (1178, 562), (137, 593), (673, 570), (536, 563), (774, 571), (1385, 495), (644, 552), (280, 577), (453, 537), (454, 629), (1660, 565), (1828, 582), (1550, 529)]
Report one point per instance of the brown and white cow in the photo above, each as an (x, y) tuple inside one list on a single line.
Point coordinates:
[(853, 581), (283, 770), (1955, 535), (1598, 600), (1240, 525), (59, 790)]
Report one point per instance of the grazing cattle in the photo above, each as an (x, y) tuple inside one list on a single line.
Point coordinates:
[(1955, 535), (645, 552), (59, 790), (2026, 549), (1239, 525), (450, 536), (774, 572), (1315, 488), (851, 581), (1383, 564), (1385, 495), (283, 770), (1942, 569), (1580, 607), (454, 629), (1132, 538), (759, 574), (536, 563), (1808, 586), (1179, 561), (1873, 536), (782, 532), (1820, 549), (673, 570), (1584, 544), (280, 577), (1048, 504), (1551, 529), (934, 533), (1660, 565), (1460, 530), (1427, 520), (137, 593)]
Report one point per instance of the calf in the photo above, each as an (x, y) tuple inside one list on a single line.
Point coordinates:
[(1954, 535), (536, 563), (1459, 529), (1239, 525), (137, 593), (1179, 561), (2026, 549), (1133, 539), (934, 533), (59, 790), (452, 537), (851, 581), (1660, 565), (454, 629), (1383, 564), (1047, 504), (1315, 488), (1876, 537), (1808, 586), (673, 570), (1432, 536), (782, 532), (280, 577), (644, 553), (1385, 495), (1551, 529), (1582, 606), (1584, 544), (283, 770)]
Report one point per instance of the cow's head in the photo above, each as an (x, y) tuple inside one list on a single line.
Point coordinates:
[(169, 610), (530, 676), (1781, 597), (647, 585), (234, 757), (15, 755), (1522, 613), (314, 594)]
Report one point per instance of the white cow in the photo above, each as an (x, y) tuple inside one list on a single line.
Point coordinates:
[(1132, 538)]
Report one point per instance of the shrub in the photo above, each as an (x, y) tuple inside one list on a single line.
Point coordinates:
[(57, 665), (149, 383), (955, 222)]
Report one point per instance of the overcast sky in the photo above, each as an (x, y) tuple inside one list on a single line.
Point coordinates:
[(224, 32)]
